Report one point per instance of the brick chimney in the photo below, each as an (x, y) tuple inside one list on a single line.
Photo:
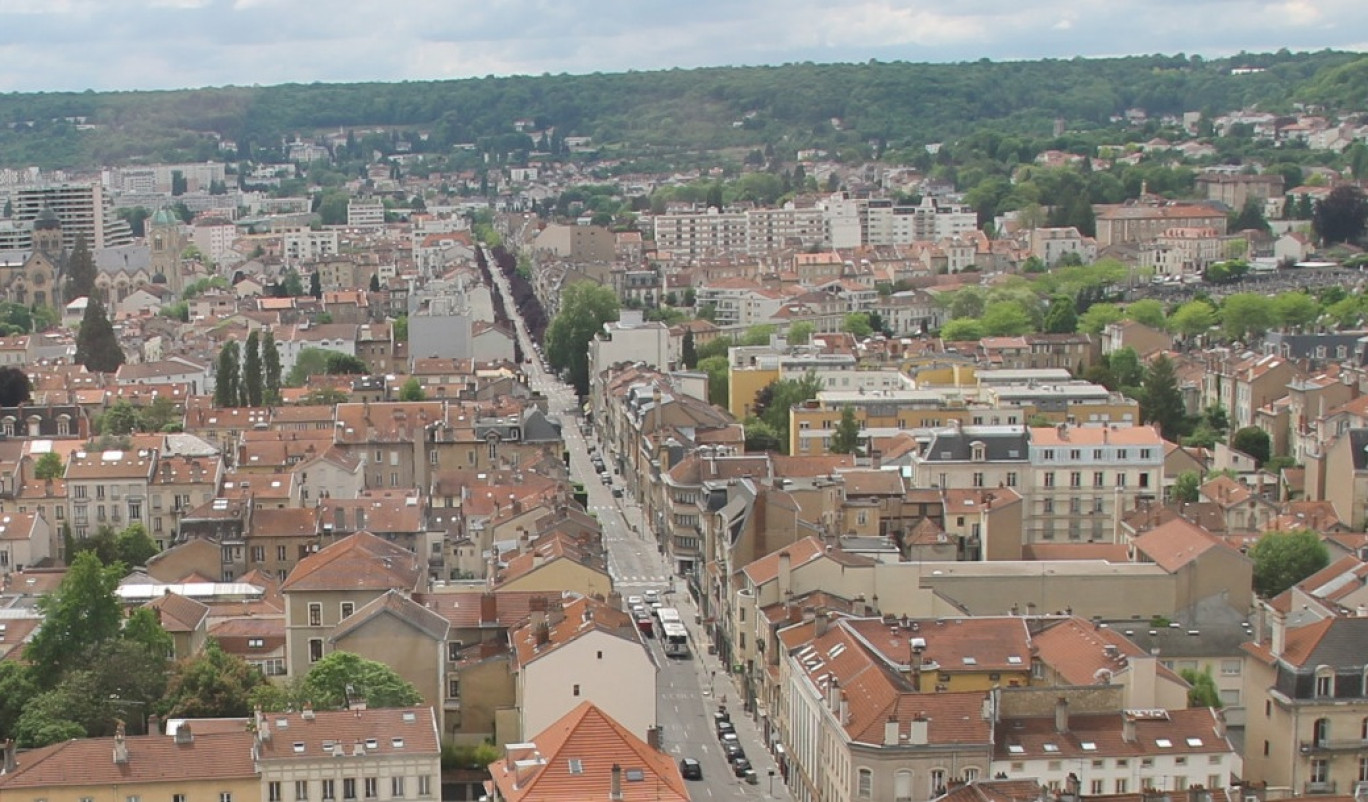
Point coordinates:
[(489, 608), (615, 789), (1061, 712), (120, 748), (185, 736)]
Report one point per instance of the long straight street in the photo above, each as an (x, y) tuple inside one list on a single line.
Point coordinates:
[(689, 690)]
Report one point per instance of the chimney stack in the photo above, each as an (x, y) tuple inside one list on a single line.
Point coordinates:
[(1062, 715), (653, 738), (10, 764), (919, 730), (307, 713), (185, 736), (120, 748), (154, 724), (615, 790), (891, 731), (1127, 728), (1278, 632), (489, 608)]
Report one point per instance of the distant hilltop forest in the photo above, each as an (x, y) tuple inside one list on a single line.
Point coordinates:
[(789, 107)]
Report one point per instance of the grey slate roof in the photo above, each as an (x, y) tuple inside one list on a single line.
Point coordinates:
[(1001, 444)]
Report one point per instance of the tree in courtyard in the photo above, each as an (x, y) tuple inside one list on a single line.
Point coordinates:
[(16, 689), (1296, 309), (412, 390), (315, 284), (1006, 319), (14, 387), (857, 323), (718, 390), (1161, 402), (97, 347), (226, 378), (212, 684), (1246, 315), (773, 402), (962, 329), (83, 612), (49, 466), (80, 271), (800, 333), (1099, 317), (846, 438), (134, 547), (340, 675), (1250, 216), (1147, 311), (584, 308), (143, 629), (1341, 215), (1255, 442), (1203, 692), (1187, 487), (253, 379), (688, 353), (1282, 559), (270, 364)]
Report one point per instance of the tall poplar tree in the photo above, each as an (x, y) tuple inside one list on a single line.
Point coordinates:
[(252, 378), (270, 362), (97, 347), (226, 379)]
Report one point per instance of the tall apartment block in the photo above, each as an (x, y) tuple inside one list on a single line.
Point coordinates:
[(84, 210)]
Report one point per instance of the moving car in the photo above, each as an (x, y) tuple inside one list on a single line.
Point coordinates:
[(635, 601), (691, 769), (651, 596)]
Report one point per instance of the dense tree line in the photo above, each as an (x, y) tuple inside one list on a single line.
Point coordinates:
[(890, 103)]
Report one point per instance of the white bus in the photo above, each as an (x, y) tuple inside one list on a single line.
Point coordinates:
[(676, 639), (668, 615)]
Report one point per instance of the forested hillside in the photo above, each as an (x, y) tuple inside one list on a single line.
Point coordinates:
[(790, 106)]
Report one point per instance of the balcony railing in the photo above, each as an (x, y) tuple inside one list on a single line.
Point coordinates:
[(1333, 745), (1324, 787)]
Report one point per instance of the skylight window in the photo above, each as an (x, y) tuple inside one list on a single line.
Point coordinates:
[(299, 746), (1016, 749), (1051, 747), (576, 766), (1194, 742), (971, 661), (1163, 743), (1088, 746), (635, 775), (1013, 660)]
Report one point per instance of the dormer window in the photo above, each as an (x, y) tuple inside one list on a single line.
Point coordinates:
[(1325, 682), (979, 451)]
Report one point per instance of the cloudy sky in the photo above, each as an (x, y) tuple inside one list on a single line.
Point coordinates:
[(164, 44)]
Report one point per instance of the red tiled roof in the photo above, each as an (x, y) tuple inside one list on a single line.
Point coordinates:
[(595, 743), (86, 762), (357, 561)]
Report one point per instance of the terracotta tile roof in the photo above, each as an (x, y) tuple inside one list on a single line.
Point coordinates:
[(1084, 436), (1077, 651), (17, 525), (383, 511), (86, 762), (579, 617), (509, 608), (392, 732), (358, 561), (1188, 731), (179, 613), (574, 758), (872, 482), (395, 604), (766, 569), (926, 532), (999, 791), (289, 522), (110, 465), (955, 644), (1175, 544), (798, 467)]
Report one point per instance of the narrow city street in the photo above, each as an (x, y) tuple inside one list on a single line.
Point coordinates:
[(689, 690)]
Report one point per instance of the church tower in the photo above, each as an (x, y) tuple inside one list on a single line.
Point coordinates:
[(47, 233), (166, 242)]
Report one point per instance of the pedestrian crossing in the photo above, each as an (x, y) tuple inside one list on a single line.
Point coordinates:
[(641, 580)]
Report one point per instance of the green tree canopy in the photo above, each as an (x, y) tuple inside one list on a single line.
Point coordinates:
[(1203, 692), (1192, 318), (857, 323), (253, 377), (1099, 317), (1187, 487), (1147, 311), (80, 271), (1282, 559), (97, 346), (1341, 216), (1253, 441), (134, 546), (800, 333), (963, 329), (327, 682), (82, 613), (846, 438), (1296, 309), (49, 466), (227, 379), (1061, 317), (1245, 315), (212, 684), (584, 308), (1161, 402), (412, 390), (1006, 319), (718, 379)]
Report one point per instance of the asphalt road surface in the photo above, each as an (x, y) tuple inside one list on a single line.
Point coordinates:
[(688, 690)]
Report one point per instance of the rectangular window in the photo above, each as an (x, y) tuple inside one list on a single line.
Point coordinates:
[(424, 785), (330, 789), (372, 787), (1012, 479), (174, 798), (301, 791), (1099, 479), (1075, 479), (1325, 685), (258, 554), (397, 787), (281, 552), (1120, 479), (1230, 668), (315, 614), (1049, 479), (453, 689), (349, 788), (1120, 786), (225, 796), (346, 609), (978, 479), (315, 649)]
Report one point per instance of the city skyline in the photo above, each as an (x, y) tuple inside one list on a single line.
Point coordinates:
[(74, 45)]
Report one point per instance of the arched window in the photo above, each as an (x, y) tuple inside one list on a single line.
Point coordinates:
[(63, 425), (902, 786), (7, 426), (864, 783), (35, 426), (1320, 731)]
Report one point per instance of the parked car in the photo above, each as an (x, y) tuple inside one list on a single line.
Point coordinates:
[(617, 492), (733, 751), (691, 769), (740, 766), (724, 727)]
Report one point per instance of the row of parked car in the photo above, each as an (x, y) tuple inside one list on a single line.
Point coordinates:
[(731, 747)]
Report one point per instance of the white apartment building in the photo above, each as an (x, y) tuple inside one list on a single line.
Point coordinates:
[(1084, 478), (214, 236), (881, 222), (365, 213), (310, 246), (701, 233), (85, 210), (1049, 245)]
